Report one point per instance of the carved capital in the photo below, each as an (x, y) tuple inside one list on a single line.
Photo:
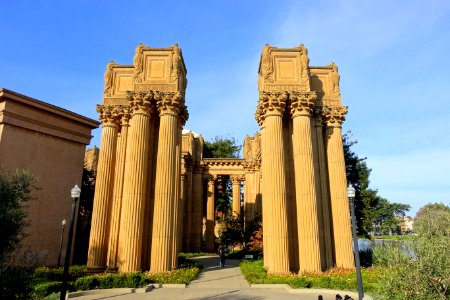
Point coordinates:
[(124, 113), (140, 102), (109, 115), (236, 179), (334, 116), (211, 180), (168, 102), (302, 104), (270, 104)]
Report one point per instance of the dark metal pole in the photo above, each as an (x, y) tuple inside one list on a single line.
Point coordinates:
[(68, 250), (356, 251), (61, 243)]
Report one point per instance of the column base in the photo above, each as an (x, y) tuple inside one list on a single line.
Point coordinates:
[(112, 270)]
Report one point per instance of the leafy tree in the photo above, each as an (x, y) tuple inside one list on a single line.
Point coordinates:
[(15, 193), (221, 147), (15, 271), (418, 267), (372, 211)]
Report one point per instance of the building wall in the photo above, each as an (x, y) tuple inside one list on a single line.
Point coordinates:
[(49, 143)]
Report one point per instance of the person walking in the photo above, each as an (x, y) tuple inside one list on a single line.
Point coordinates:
[(221, 252)]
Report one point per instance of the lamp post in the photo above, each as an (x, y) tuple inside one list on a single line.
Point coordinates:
[(63, 223), (75, 194), (351, 198)]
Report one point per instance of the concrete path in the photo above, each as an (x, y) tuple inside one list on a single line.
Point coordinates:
[(215, 282)]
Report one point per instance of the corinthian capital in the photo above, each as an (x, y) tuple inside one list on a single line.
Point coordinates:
[(334, 116), (109, 115), (270, 104), (302, 104), (140, 102), (124, 113), (168, 102)]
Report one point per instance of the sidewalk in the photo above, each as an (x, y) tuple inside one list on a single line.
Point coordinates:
[(215, 282)]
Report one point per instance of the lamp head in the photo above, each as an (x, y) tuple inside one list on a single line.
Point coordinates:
[(75, 191), (350, 191)]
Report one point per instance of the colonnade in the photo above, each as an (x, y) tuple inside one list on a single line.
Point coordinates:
[(155, 193)]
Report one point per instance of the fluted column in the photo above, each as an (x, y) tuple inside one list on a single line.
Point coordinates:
[(197, 207), (307, 212), (249, 192), (118, 189), (236, 182), (210, 215), (177, 201), (98, 241), (322, 189), (163, 215), (334, 117), (134, 189), (272, 106), (188, 210)]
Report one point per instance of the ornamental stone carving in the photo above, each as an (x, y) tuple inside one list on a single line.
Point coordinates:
[(266, 68), (109, 79), (334, 116), (304, 60), (138, 62), (334, 80), (302, 104), (140, 102), (168, 102), (109, 115), (176, 62), (271, 104)]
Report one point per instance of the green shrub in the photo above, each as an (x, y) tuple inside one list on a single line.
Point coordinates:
[(41, 290), (109, 281), (15, 282)]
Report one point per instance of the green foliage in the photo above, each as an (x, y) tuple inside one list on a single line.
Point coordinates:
[(15, 282), (196, 254), (418, 266), (108, 281), (335, 279), (238, 231), (373, 212), (41, 290), (221, 147), (15, 193)]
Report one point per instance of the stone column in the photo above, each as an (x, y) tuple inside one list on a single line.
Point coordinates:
[(134, 189), (272, 106), (197, 207), (322, 189), (178, 205), (118, 189), (249, 191), (210, 215), (188, 209), (236, 181), (334, 117), (305, 193), (163, 215), (98, 241)]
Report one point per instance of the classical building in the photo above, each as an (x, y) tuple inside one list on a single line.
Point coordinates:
[(49, 142), (155, 193)]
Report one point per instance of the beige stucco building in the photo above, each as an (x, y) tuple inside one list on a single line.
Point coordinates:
[(49, 142), (155, 192)]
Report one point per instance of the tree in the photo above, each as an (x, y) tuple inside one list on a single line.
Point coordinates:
[(372, 211), (15, 193), (221, 147), (15, 270), (418, 266)]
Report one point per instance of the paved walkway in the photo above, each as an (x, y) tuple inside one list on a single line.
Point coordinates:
[(215, 282)]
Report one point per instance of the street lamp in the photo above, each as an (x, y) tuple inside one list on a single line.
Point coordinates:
[(351, 198), (75, 194), (63, 224)]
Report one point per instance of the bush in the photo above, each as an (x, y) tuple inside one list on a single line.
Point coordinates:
[(43, 289), (109, 281), (418, 267), (15, 282)]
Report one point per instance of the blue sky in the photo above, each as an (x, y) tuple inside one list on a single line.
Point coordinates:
[(393, 58)]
